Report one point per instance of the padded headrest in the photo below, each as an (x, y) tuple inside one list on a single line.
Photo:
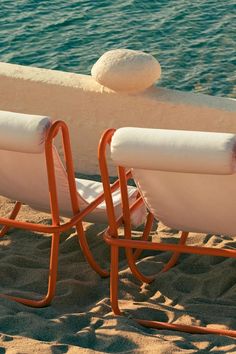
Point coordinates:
[(174, 150), (23, 132)]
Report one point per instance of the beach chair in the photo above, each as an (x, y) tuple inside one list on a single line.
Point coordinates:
[(187, 180), (33, 173)]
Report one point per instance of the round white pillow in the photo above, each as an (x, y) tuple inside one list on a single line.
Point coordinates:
[(126, 70)]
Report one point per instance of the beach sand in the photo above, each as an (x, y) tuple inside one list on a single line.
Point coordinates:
[(198, 290)]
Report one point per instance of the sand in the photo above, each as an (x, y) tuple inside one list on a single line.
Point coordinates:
[(199, 290)]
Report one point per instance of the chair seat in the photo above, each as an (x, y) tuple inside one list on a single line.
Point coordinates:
[(88, 190)]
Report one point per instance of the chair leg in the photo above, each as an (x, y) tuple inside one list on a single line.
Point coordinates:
[(87, 253), (131, 256), (186, 328), (114, 279), (130, 252), (12, 216), (53, 267), (134, 269), (145, 235), (174, 258)]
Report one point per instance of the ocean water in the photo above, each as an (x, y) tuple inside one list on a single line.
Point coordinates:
[(194, 41)]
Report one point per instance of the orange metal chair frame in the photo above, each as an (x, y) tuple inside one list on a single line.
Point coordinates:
[(111, 237), (57, 228)]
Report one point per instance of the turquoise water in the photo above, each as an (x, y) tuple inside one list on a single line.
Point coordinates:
[(194, 41)]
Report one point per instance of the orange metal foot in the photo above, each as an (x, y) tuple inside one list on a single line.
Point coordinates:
[(51, 278), (186, 328), (28, 302)]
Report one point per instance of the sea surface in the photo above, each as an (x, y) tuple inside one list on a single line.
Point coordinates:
[(195, 41)]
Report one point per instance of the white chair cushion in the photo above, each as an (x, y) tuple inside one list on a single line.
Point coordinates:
[(23, 132), (174, 150)]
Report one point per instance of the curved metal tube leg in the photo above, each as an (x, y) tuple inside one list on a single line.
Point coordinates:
[(51, 278), (12, 216), (187, 328), (87, 253), (146, 232), (132, 256), (134, 269), (131, 260), (174, 258), (114, 279)]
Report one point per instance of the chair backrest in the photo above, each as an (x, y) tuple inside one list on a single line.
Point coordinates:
[(23, 173), (187, 178)]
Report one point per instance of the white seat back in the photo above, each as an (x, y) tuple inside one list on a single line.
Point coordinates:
[(24, 178), (186, 178), (23, 174)]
